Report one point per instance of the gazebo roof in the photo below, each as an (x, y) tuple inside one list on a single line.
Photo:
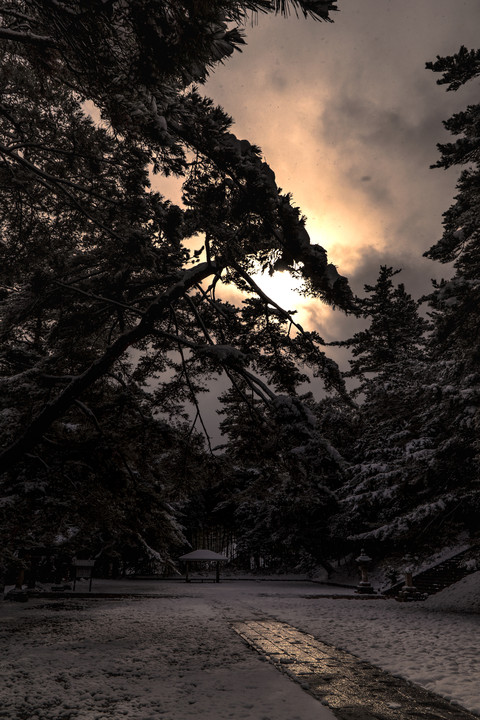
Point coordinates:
[(204, 555)]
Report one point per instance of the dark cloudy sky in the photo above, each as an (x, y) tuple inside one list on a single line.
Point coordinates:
[(348, 118)]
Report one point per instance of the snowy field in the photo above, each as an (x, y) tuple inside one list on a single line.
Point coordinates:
[(176, 656)]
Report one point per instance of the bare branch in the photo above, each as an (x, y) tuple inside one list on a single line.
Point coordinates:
[(287, 315)]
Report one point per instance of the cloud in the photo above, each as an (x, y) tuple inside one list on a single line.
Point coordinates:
[(349, 119), (279, 82)]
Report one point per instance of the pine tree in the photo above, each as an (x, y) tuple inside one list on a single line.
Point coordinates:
[(283, 474), (386, 498), (161, 122), (455, 302), (396, 330), (99, 290), (415, 480)]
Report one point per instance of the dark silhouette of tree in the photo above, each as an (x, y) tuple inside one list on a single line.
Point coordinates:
[(138, 74), (396, 330), (102, 297), (389, 449), (283, 474), (414, 480)]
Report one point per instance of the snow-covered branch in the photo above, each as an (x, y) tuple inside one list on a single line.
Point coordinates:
[(27, 37), (55, 408)]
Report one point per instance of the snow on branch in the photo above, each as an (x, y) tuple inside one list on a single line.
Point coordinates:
[(27, 37), (55, 408), (223, 353), (404, 523)]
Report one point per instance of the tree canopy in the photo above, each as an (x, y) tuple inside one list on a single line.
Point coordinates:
[(115, 311), (110, 321), (414, 477)]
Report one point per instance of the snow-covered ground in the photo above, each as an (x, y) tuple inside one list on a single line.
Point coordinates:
[(462, 597), (176, 657)]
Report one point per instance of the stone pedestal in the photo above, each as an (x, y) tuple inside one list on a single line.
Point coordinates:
[(364, 587), (409, 592)]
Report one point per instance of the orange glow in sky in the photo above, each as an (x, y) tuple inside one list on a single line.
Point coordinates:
[(348, 119)]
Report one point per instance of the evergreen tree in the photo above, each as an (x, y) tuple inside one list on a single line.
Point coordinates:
[(386, 495), (396, 330), (103, 54), (455, 303), (99, 291), (415, 478), (283, 477)]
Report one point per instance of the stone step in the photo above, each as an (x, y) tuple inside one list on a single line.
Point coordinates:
[(437, 578)]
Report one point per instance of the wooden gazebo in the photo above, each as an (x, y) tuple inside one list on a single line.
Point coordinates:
[(203, 556)]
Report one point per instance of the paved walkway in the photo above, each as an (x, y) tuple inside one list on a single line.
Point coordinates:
[(353, 689)]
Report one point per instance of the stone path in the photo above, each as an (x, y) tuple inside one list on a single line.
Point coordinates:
[(353, 689)]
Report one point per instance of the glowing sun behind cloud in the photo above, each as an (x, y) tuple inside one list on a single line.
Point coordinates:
[(282, 288), (285, 290)]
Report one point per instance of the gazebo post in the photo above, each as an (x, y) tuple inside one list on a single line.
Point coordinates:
[(186, 573), (217, 575)]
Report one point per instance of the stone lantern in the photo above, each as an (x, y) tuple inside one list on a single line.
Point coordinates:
[(409, 592), (364, 587)]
